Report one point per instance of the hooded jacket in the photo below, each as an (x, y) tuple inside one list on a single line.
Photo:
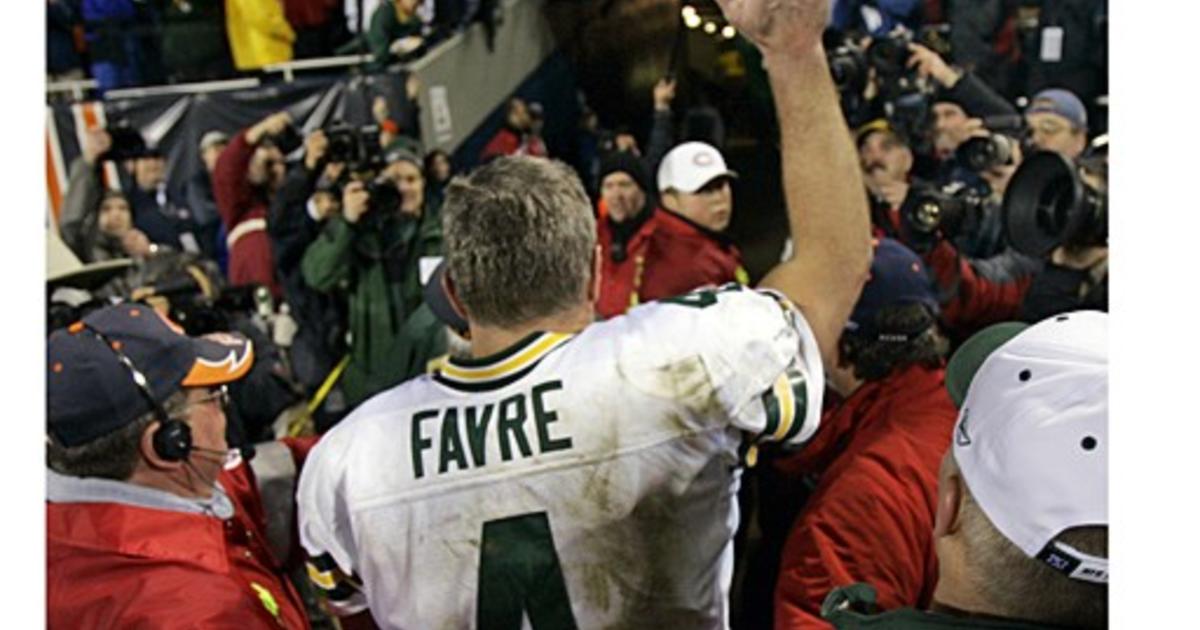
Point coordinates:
[(870, 517)]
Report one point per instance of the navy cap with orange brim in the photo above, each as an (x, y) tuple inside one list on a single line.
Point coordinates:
[(91, 393)]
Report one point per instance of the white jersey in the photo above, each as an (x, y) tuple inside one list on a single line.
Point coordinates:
[(572, 481)]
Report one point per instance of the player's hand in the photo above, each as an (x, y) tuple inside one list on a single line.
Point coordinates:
[(97, 142), (354, 201), (779, 27), (931, 64), (664, 94), (315, 147)]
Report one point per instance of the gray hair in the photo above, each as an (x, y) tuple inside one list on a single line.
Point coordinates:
[(113, 456), (1020, 587), (519, 240)]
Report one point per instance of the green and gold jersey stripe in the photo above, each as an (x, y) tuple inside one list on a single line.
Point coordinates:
[(785, 404), (502, 367)]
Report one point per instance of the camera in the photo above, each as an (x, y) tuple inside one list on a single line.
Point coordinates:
[(949, 209), (889, 56), (984, 153), (357, 147), (127, 143), (1048, 204), (384, 197)]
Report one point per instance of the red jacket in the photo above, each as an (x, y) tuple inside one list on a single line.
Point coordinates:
[(509, 142), (114, 565), (682, 256), (977, 301), (870, 516), (619, 280), (239, 202)]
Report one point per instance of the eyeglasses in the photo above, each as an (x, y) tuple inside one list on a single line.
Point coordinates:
[(220, 396)]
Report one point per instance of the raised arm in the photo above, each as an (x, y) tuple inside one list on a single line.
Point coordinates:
[(827, 205)]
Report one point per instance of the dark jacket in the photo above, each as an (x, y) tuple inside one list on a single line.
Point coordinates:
[(874, 464), (321, 327), (62, 16), (194, 44), (392, 334)]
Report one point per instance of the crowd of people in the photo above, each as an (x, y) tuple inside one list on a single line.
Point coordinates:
[(545, 394), (133, 43)]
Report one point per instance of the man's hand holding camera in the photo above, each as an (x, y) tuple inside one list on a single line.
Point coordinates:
[(316, 145), (97, 142), (355, 201), (930, 65), (272, 125)]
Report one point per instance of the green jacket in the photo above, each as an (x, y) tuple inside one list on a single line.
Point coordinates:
[(385, 27), (393, 335), (852, 607)]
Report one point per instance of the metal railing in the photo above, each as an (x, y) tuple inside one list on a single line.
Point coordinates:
[(82, 88)]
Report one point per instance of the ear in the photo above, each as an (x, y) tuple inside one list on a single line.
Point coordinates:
[(949, 500), (452, 294), (908, 159), (669, 200), (146, 448), (597, 270)]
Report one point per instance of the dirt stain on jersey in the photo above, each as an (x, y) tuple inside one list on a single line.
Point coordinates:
[(685, 381)]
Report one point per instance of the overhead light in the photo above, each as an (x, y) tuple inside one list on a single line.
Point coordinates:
[(688, 10), (710, 27), (692, 21), (728, 32)]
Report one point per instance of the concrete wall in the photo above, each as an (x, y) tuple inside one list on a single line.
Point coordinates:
[(463, 81)]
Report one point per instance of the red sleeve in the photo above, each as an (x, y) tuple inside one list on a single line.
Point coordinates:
[(503, 143), (865, 526), (300, 446), (975, 301), (231, 189)]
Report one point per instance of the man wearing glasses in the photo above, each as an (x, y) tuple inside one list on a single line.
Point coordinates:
[(151, 520)]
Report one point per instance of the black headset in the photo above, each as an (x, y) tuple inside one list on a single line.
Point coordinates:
[(173, 440)]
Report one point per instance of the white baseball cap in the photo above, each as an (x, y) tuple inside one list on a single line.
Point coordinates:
[(691, 165), (1032, 435)]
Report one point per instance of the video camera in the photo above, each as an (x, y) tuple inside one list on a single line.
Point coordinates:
[(1047, 205), (357, 147)]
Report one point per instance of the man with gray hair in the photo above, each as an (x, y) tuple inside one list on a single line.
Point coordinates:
[(1022, 511), (580, 474)]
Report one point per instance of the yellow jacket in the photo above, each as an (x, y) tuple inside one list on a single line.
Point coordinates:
[(259, 35)]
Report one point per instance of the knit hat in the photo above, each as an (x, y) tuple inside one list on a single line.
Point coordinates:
[(625, 162), (1032, 436), (1061, 102)]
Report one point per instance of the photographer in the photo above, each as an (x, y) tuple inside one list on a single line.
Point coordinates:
[(1058, 255), (961, 98), (245, 178), (372, 250), (305, 201)]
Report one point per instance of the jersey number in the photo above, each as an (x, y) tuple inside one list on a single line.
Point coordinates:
[(519, 573), (702, 298)]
